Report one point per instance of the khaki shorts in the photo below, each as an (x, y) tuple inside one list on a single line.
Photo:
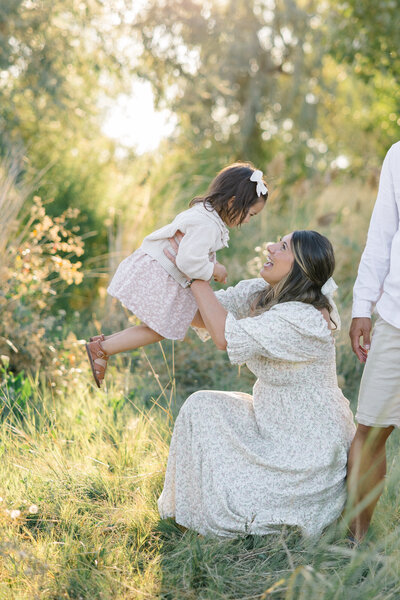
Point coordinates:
[(379, 397)]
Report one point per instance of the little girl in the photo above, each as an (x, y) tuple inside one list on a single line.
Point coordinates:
[(157, 290)]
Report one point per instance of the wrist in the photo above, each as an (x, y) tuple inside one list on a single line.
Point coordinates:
[(199, 283), (190, 282)]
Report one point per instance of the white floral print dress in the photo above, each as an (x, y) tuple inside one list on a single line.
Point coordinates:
[(242, 464)]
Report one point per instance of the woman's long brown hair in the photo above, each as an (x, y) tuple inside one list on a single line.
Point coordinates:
[(314, 263)]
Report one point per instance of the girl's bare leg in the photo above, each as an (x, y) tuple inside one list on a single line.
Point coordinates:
[(130, 339), (106, 337)]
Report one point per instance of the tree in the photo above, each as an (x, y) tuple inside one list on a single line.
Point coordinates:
[(366, 35), (56, 58), (233, 71)]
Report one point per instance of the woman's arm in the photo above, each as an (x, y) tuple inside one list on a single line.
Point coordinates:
[(211, 314), (211, 311)]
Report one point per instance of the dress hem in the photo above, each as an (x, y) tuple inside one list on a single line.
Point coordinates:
[(145, 320)]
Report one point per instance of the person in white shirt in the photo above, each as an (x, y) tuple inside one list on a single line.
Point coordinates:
[(377, 287), (158, 291)]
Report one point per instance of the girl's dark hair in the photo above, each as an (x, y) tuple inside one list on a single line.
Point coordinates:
[(314, 263), (232, 182)]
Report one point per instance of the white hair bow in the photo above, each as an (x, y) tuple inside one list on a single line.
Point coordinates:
[(261, 187), (328, 289)]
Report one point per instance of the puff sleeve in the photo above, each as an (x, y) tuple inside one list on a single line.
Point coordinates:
[(290, 333), (239, 298)]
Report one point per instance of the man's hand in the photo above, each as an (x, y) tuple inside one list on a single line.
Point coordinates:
[(220, 273), (360, 327)]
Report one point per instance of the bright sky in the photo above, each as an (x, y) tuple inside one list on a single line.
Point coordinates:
[(134, 122)]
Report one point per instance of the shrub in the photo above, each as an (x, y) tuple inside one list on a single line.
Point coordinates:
[(38, 262)]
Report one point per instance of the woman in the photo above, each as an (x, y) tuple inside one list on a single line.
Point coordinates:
[(241, 464)]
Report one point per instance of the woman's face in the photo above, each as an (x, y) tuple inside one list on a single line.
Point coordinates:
[(279, 262)]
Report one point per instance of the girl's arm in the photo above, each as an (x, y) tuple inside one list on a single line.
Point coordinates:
[(212, 312)]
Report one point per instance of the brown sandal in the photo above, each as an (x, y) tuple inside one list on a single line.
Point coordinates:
[(95, 351)]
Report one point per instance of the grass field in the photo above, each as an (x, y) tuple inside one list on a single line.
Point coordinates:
[(80, 473), (81, 469)]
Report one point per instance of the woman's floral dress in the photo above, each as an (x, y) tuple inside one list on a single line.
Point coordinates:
[(242, 464)]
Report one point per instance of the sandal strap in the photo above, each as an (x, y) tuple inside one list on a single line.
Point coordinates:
[(100, 370), (97, 350), (97, 355), (100, 337)]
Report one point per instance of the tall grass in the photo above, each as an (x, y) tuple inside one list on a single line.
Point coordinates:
[(80, 475)]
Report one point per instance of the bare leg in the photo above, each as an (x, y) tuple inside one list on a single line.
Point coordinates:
[(99, 350), (366, 473), (106, 337), (129, 339), (197, 322)]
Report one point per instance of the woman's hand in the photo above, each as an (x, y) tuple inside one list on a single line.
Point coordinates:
[(174, 243), (219, 274), (211, 313)]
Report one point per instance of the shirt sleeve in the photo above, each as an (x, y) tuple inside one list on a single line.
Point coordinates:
[(238, 299), (270, 336), (193, 253), (375, 260)]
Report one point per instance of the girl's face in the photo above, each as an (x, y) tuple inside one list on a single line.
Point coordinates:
[(279, 262), (253, 210)]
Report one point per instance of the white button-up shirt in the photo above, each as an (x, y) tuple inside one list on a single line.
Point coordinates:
[(378, 280)]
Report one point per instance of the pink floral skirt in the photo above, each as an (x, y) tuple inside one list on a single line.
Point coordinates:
[(153, 296)]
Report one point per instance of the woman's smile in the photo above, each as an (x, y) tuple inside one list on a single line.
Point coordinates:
[(268, 264), (279, 261)]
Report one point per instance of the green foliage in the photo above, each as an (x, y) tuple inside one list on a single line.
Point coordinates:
[(273, 95), (274, 87), (39, 258), (51, 56), (15, 390), (59, 62), (366, 35), (260, 78)]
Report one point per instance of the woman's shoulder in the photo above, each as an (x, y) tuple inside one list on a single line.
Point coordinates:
[(304, 317), (246, 289), (257, 284), (238, 298)]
